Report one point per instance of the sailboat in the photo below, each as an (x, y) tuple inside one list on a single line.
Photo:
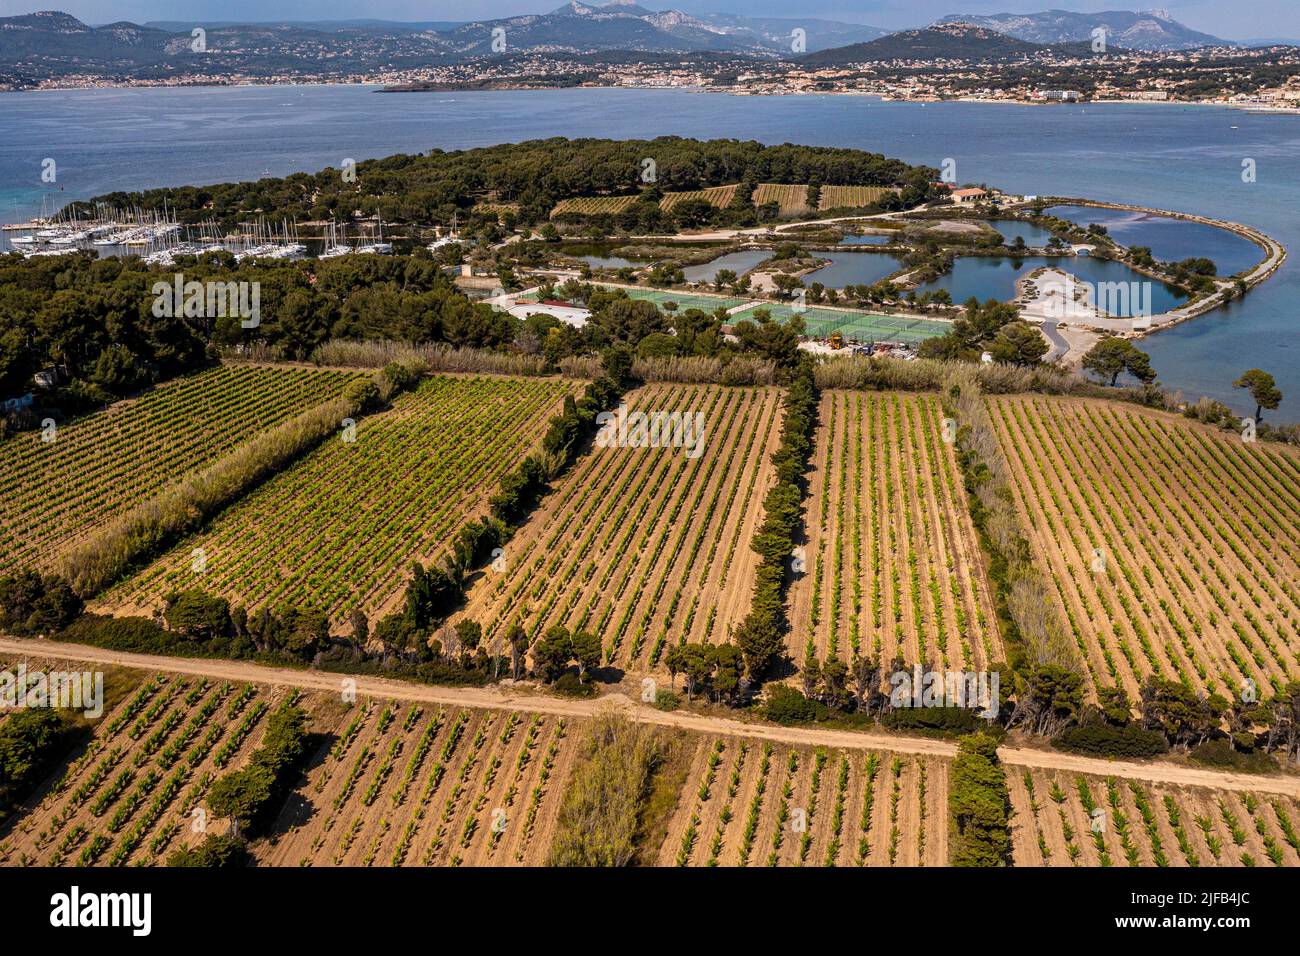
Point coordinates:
[(379, 247), (335, 243)]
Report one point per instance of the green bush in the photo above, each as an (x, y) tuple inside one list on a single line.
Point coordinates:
[(666, 700), (1219, 754), (32, 603), (31, 741), (1106, 740), (197, 614), (250, 796), (215, 851), (785, 705), (978, 805), (939, 721), (569, 685)]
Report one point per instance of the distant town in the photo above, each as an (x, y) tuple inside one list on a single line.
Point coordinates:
[(1148, 60)]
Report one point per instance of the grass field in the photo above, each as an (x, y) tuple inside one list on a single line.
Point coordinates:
[(52, 493), (684, 300), (854, 326), (1066, 819), (338, 530), (645, 546), (1175, 550), (893, 564)]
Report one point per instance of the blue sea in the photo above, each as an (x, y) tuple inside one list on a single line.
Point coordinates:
[(1187, 158)]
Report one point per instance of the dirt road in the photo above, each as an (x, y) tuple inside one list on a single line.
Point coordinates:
[(504, 697)]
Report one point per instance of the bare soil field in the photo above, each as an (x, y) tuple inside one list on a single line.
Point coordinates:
[(402, 785), (388, 784), (1174, 548), (752, 803), (892, 564), (1067, 819), (130, 794), (643, 546)]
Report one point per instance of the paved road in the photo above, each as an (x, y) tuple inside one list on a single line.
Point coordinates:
[(1060, 347), (526, 699)]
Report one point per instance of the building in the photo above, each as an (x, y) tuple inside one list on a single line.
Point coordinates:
[(969, 197), (1058, 96)]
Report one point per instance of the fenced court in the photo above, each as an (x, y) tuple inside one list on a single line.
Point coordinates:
[(684, 300), (819, 322), (860, 326)]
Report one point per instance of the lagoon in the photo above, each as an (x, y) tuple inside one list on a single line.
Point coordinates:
[(1168, 156), (1170, 240), (738, 262), (1035, 236), (995, 277), (853, 268)]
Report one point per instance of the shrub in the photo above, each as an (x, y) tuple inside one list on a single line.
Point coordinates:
[(785, 705), (1219, 754), (1106, 740), (978, 805), (938, 721), (196, 614), (31, 740), (604, 798), (32, 603), (250, 795), (570, 685), (377, 353), (214, 851), (666, 700)]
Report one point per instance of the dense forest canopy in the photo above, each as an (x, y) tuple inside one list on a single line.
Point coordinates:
[(537, 174), (91, 325), (92, 320)]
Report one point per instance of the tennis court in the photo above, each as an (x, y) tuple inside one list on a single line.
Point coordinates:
[(684, 300), (820, 323), (857, 326)]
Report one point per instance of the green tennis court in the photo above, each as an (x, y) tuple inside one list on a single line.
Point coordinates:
[(684, 300), (858, 326), (820, 323)]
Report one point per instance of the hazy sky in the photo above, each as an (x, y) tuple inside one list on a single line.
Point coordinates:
[(1239, 20)]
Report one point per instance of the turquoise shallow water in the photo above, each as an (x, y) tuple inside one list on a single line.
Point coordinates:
[(1186, 158)]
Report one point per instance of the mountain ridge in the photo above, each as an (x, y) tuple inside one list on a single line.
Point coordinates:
[(1133, 30)]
